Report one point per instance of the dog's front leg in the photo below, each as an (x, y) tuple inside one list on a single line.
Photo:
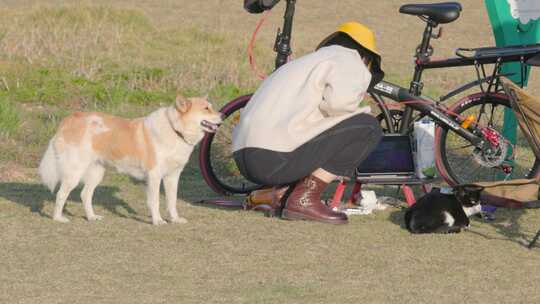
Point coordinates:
[(152, 198), (170, 182)]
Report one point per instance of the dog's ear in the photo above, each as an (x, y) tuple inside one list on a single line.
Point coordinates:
[(205, 98), (182, 104)]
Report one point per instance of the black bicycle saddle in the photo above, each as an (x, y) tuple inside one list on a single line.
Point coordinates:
[(438, 12)]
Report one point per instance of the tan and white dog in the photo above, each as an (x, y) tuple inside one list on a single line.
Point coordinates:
[(151, 148)]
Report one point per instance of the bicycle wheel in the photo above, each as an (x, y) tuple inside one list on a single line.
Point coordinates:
[(456, 158), (217, 165)]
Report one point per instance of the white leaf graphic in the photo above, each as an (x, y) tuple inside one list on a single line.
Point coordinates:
[(524, 10)]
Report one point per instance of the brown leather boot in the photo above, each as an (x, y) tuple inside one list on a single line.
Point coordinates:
[(304, 203), (267, 196)]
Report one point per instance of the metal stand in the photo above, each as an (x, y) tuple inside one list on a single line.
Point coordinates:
[(355, 195), (531, 244)]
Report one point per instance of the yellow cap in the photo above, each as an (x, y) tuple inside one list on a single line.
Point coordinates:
[(361, 34), (365, 39)]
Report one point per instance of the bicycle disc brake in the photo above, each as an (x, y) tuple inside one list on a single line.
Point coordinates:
[(496, 154)]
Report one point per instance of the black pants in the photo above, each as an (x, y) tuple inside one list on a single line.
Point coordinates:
[(338, 150)]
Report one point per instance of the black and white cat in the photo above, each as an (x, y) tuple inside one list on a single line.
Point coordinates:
[(444, 213)]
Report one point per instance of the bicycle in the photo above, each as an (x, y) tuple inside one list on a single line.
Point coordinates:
[(469, 141)]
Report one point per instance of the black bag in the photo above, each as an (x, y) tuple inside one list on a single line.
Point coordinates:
[(259, 6)]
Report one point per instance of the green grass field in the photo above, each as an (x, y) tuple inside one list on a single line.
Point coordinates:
[(130, 57)]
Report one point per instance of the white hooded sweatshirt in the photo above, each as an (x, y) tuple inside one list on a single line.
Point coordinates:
[(302, 99)]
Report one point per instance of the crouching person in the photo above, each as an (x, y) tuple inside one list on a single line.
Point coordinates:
[(304, 127)]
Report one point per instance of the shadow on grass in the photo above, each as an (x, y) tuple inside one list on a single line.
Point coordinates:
[(507, 226), (34, 196), (397, 217), (194, 190)]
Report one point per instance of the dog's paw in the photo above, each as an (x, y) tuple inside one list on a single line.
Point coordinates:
[(61, 219), (179, 220), (158, 222), (95, 218)]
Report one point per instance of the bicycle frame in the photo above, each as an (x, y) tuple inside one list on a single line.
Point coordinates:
[(482, 56), (416, 85), (427, 106), (282, 45)]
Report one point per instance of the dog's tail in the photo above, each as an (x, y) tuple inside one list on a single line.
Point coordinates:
[(48, 168)]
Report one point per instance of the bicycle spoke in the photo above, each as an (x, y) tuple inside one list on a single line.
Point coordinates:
[(490, 123), (462, 147), (480, 114)]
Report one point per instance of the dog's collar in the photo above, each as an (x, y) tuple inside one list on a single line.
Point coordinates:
[(174, 130), (180, 135)]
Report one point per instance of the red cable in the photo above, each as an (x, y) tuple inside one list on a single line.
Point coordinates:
[(425, 102), (252, 62)]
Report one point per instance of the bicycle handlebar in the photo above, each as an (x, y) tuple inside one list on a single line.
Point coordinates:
[(259, 6)]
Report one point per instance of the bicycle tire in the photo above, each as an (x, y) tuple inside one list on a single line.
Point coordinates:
[(235, 183), (522, 167)]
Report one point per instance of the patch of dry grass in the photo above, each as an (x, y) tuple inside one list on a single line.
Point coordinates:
[(76, 37), (78, 46), (241, 257)]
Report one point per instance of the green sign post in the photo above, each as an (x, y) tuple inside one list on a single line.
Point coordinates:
[(514, 22)]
